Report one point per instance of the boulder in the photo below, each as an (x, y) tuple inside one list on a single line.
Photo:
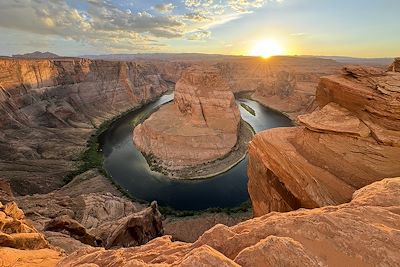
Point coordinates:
[(363, 232), (16, 232)]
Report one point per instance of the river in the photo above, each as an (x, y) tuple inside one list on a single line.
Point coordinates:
[(128, 168)]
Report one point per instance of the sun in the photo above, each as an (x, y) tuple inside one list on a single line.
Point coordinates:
[(266, 49)]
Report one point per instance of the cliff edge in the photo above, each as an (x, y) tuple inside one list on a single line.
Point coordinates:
[(201, 125), (350, 141), (363, 232)]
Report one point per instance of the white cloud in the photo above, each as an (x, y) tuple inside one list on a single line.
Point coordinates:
[(164, 8), (198, 35), (108, 26), (101, 24)]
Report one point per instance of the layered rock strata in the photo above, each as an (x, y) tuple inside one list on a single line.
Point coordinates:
[(283, 83), (351, 141), (89, 211), (200, 126), (363, 232), (49, 108), (286, 84)]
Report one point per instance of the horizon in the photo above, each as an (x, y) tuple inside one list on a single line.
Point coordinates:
[(195, 53), (263, 28)]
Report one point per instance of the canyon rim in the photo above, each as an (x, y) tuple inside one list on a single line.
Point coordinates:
[(199, 133)]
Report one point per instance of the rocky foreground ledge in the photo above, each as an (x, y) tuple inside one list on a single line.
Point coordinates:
[(202, 125), (350, 141), (364, 232)]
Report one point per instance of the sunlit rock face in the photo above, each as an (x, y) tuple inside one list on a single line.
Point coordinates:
[(49, 108), (16, 232), (363, 232), (350, 141), (395, 66), (201, 124)]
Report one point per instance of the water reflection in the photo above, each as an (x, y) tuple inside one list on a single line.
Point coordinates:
[(130, 170)]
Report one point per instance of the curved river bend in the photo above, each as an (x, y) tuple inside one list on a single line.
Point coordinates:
[(129, 168)]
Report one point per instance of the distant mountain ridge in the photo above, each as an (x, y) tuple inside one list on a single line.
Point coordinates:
[(201, 56), (37, 54), (362, 61)]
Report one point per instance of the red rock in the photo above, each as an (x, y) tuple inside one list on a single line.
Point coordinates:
[(363, 232), (350, 142), (49, 108), (200, 126)]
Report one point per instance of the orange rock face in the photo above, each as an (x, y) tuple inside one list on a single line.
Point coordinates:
[(351, 141), (200, 126), (15, 232), (363, 232)]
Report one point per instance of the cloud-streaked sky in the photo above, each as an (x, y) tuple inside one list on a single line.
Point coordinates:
[(364, 28)]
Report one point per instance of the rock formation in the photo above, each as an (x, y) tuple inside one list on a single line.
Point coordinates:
[(201, 125), (395, 67), (283, 83), (89, 211), (363, 232), (49, 108), (351, 141), (15, 232), (286, 84)]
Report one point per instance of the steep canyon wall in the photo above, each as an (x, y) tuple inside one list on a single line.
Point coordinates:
[(48, 109)]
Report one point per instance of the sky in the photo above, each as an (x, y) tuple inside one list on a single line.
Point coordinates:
[(358, 28)]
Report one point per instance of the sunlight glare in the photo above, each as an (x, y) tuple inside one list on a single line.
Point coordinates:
[(266, 49)]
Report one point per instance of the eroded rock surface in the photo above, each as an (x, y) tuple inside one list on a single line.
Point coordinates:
[(201, 125), (49, 108), (16, 232), (363, 232), (90, 211), (351, 141)]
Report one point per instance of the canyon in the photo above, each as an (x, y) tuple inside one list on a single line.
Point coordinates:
[(323, 193), (49, 109), (363, 232), (200, 126)]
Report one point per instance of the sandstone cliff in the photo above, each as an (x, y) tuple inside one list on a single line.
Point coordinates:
[(351, 141), (201, 125), (283, 83), (48, 109), (363, 232)]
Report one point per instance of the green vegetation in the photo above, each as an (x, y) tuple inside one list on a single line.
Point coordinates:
[(91, 157), (168, 211), (248, 109), (138, 119)]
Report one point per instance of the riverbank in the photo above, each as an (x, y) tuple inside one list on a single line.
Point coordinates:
[(288, 107), (252, 95), (209, 169)]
